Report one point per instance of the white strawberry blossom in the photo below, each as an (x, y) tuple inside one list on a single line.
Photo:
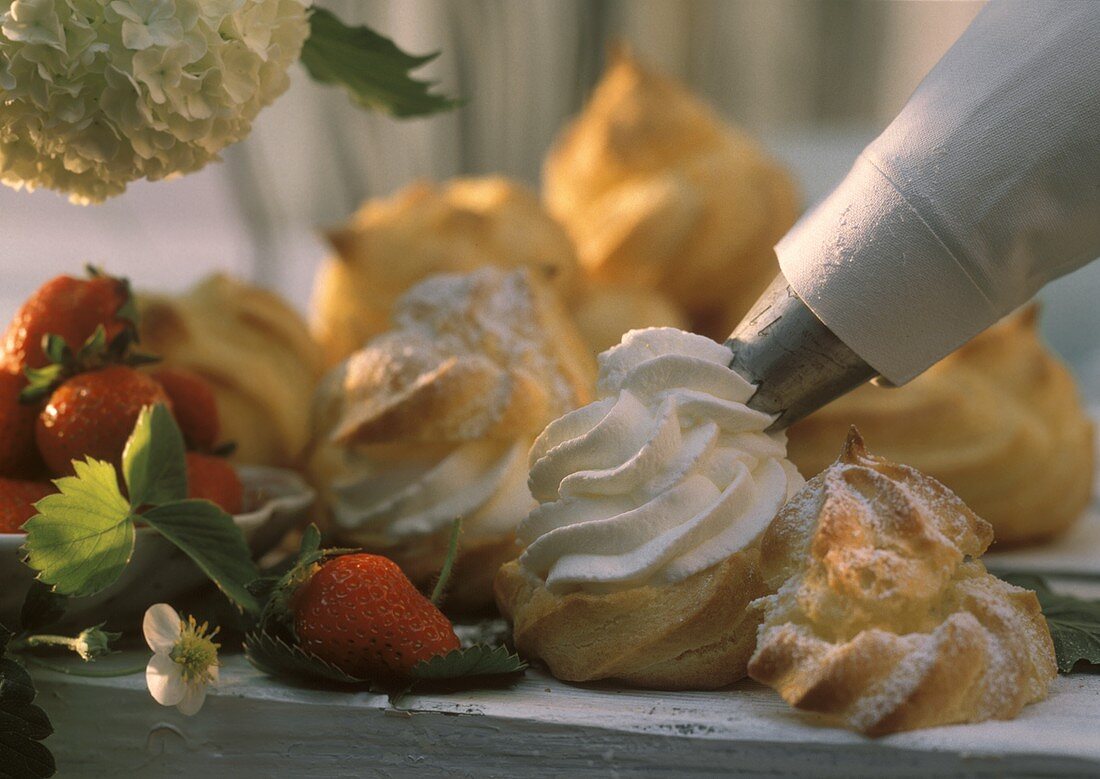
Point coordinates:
[(184, 662), (95, 94)]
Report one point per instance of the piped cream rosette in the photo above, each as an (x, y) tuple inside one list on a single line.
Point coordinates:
[(641, 557), (432, 421)]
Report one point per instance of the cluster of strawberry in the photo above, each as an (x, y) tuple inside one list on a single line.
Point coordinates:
[(72, 387)]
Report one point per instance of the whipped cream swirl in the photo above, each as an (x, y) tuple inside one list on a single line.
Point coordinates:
[(665, 475)]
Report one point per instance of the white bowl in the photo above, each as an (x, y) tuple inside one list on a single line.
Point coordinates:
[(158, 571)]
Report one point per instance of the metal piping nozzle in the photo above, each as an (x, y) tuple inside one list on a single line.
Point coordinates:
[(796, 362)]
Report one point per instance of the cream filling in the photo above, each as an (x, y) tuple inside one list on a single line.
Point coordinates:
[(482, 482), (667, 474)]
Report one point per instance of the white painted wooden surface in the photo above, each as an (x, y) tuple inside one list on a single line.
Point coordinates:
[(255, 726), (540, 727)]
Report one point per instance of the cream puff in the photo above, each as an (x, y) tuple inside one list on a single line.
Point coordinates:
[(392, 243), (640, 560), (1000, 422), (658, 192), (431, 422), (884, 618), (256, 353)]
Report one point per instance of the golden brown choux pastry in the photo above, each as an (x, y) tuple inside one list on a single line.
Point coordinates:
[(431, 421), (1000, 422), (884, 618), (640, 561), (605, 313), (256, 352), (657, 191), (392, 243)]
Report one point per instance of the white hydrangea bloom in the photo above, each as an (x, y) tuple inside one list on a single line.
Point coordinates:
[(95, 94)]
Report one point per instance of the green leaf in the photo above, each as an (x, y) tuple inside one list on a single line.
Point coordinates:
[(153, 461), (56, 349), (310, 545), (474, 661), (276, 657), (1074, 622), (93, 348), (22, 726), (370, 66), (41, 607), (41, 382), (82, 536), (209, 537)]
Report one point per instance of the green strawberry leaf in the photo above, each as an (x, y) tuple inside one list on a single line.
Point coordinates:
[(22, 726), (82, 536), (41, 382), (136, 359), (153, 462), (41, 607), (93, 349), (310, 545), (276, 657), (57, 351), (470, 662), (1074, 622), (209, 536), (370, 66)]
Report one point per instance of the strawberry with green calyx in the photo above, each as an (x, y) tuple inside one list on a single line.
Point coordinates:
[(71, 310), (342, 615), (17, 499), (360, 613), (214, 479), (194, 406), (63, 363), (92, 415)]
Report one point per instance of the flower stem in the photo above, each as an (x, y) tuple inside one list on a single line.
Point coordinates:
[(47, 640), (448, 563)]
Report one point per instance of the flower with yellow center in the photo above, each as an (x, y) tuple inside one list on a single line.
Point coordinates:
[(185, 659)]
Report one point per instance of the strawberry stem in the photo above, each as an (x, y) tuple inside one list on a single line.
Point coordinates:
[(448, 563)]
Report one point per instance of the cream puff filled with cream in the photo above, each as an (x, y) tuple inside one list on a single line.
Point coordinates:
[(432, 421), (641, 557)]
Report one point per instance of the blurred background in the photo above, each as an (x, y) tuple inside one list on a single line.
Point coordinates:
[(813, 80)]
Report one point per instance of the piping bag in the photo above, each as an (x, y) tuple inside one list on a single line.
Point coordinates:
[(984, 188)]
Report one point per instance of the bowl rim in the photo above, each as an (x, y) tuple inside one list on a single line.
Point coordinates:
[(295, 494)]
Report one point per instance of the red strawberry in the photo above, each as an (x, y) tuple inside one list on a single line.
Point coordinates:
[(17, 499), (68, 307), (93, 414), (363, 615), (215, 480), (194, 406), (18, 455)]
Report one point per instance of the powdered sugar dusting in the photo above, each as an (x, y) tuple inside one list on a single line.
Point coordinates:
[(884, 597), (490, 314)]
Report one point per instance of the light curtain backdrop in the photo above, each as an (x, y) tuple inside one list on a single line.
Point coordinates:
[(813, 79)]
